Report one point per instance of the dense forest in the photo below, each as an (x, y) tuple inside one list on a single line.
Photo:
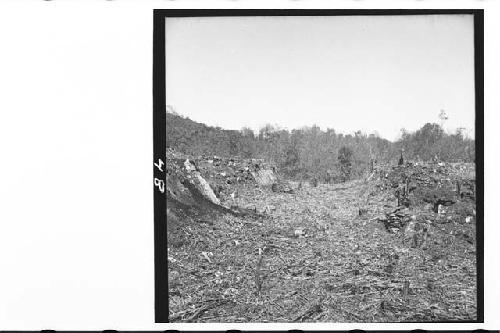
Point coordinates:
[(310, 152)]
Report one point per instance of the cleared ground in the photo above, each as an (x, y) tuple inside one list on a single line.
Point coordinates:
[(322, 260)]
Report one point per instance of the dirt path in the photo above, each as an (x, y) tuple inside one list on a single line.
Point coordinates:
[(321, 261)]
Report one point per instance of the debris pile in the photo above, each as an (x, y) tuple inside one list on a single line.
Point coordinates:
[(396, 220), (191, 196), (229, 171), (456, 179), (225, 175), (205, 183), (428, 197)]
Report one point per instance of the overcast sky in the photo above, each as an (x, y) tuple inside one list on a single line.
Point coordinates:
[(369, 73)]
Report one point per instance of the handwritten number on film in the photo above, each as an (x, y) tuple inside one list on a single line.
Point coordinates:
[(158, 182)]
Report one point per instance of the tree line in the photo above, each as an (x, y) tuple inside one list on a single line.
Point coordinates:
[(310, 152)]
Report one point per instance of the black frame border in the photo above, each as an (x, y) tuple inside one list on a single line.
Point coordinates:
[(159, 127), (160, 152)]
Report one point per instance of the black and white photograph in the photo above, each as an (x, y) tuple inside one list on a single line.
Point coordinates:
[(243, 165), (322, 168)]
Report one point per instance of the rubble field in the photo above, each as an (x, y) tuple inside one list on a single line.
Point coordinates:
[(397, 246)]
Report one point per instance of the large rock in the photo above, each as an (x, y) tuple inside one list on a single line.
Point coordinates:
[(199, 182)]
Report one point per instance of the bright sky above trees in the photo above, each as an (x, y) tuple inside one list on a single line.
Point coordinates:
[(375, 74)]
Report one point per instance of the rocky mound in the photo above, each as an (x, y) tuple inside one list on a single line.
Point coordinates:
[(427, 200), (198, 187)]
